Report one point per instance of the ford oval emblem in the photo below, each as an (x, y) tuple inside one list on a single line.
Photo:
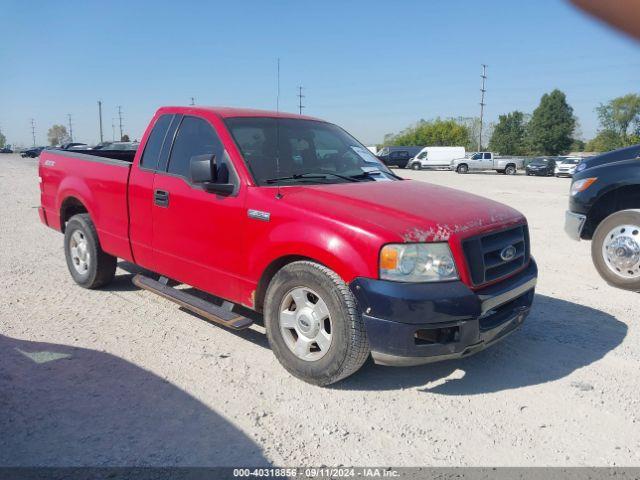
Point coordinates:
[(508, 253)]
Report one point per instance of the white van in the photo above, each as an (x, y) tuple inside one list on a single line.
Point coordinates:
[(436, 157)]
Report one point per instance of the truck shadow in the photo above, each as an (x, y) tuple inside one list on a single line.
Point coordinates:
[(557, 338), (64, 406)]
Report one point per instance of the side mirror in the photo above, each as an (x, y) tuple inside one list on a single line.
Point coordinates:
[(203, 171)]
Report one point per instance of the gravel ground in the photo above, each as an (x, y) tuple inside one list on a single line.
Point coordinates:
[(123, 377)]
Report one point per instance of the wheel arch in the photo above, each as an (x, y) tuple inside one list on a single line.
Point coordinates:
[(70, 206), (621, 198)]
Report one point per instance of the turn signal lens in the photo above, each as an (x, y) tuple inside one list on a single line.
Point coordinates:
[(582, 185), (389, 258)]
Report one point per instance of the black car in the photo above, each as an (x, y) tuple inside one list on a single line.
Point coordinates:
[(541, 167), (31, 152), (398, 156), (6, 150), (604, 207)]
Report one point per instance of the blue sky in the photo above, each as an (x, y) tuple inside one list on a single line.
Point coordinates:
[(372, 67)]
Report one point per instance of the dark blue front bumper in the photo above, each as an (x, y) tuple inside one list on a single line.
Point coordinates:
[(415, 323)]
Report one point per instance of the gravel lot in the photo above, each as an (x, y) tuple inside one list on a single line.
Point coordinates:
[(123, 377)]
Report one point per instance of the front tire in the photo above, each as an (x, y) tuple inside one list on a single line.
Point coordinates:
[(416, 166), (313, 325), (462, 168), (615, 249), (89, 265)]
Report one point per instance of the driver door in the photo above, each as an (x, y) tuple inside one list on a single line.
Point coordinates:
[(198, 235)]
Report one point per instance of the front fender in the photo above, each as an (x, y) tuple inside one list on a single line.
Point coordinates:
[(329, 248)]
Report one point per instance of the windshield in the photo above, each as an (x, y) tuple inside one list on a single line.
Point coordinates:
[(571, 161), (303, 151), (540, 161)]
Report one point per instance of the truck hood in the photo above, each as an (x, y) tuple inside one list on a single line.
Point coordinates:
[(408, 210)]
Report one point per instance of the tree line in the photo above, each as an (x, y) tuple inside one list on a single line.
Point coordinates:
[(550, 130)]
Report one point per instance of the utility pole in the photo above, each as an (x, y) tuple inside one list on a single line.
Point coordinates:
[(33, 131), (113, 129), (278, 87), (100, 118), (193, 101), (70, 128), (120, 120), (482, 90), (300, 97)]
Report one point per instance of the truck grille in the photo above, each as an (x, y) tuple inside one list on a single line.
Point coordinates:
[(484, 258)]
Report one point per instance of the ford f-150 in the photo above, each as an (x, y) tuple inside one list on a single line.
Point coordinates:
[(293, 218)]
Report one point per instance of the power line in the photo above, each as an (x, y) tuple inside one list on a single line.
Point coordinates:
[(300, 97), (33, 131), (482, 104), (100, 118), (70, 128), (120, 120)]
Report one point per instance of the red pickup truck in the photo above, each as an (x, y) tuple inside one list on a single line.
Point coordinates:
[(293, 218)]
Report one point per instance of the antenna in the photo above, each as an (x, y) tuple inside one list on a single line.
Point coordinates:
[(300, 97), (278, 87), (100, 119)]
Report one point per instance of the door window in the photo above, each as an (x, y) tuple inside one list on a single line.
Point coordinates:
[(476, 156), (487, 156), (153, 147), (195, 137)]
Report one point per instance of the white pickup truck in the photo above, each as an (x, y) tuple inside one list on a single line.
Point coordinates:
[(487, 161)]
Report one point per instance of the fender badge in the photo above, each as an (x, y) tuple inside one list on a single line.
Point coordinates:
[(259, 215)]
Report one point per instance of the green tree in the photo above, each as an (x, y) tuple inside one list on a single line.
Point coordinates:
[(3, 140), (607, 140), (619, 114), (551, 127), (509, 135), (433, 133), (57, 135)]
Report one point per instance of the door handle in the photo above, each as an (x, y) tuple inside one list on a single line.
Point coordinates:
[(161, 198)]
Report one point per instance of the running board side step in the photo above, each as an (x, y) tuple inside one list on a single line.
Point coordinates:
[(208, 310)]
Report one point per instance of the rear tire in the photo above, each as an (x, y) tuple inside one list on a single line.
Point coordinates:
[(510, 170), (89, 265), (463, 168), (292, 316), (619, 232)]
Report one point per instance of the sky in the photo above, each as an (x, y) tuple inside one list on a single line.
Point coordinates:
[(373, 67)]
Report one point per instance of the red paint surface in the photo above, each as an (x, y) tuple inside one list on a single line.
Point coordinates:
[(208, 241)]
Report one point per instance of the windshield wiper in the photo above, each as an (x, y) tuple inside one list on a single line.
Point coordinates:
[(310, 176)]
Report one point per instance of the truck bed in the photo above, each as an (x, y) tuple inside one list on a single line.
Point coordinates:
[(93, 180)]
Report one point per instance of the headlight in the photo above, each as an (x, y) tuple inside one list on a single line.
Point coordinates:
[(582, 185), (417, 262), (580, 167)]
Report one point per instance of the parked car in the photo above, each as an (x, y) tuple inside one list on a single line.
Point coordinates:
[(604, 207), (31, 152), (436, 157), (567, 166), (117, 146), (6, 150), (542, 167), (292, 217), (487, 161), (397, 156), (74, 146)]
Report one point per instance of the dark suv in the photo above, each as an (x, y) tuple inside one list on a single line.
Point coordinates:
[(398, 156)]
